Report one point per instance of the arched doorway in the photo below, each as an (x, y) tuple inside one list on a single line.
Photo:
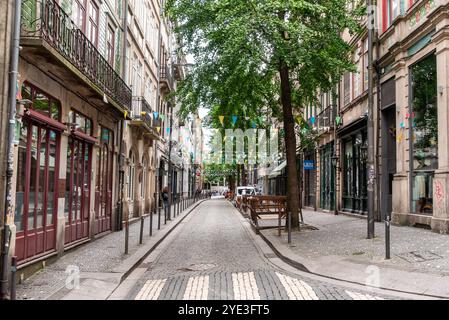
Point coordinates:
[(103, 185)]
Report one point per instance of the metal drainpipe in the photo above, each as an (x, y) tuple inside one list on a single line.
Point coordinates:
[(122, 127), (158, 66), (14, 70), (170, 166), (370, 169)]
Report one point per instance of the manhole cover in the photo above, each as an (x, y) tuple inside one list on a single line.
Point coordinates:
[(199, 267), (419, 256)]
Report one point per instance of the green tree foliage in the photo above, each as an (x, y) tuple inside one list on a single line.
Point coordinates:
[(262, 55)]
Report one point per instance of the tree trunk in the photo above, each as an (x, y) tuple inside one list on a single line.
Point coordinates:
[(290, 145)]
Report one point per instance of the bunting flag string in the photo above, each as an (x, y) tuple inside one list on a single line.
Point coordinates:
[(155, 114), (234, 120), (221, 118)]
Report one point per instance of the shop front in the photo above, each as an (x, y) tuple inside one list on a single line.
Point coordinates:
[(354, 151), (327, 178), (424, 130), (37, 175)]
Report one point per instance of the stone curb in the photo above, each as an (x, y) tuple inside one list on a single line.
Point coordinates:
[(308, 266)]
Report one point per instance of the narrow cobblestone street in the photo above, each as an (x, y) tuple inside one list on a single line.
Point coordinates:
[(213, 257)]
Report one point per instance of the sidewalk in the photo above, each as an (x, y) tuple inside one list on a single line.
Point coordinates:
[(102, 263), (339, 249)]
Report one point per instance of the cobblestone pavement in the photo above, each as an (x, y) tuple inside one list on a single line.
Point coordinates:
[(213, 257), (99, 256), (345, 236)]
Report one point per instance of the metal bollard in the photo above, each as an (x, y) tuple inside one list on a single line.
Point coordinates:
[(13, 277), (126, 236), (289, 227), (151, 222), (158, 217), (387, 238), (142, 222)]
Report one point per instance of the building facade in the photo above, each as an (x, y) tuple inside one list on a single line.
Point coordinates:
[(93, 121), (410, 114)]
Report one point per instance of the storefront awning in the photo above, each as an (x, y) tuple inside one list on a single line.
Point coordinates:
[(277, 171)]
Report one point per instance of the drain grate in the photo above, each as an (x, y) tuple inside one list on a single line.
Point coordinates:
[(419, 256), (199, 267)]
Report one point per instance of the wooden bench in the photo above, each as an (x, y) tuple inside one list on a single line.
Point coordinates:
[(265, 206)]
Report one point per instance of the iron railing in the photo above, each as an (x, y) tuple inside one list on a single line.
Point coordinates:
[(141, 110), (325, 119), (47, 20), (167, 75)]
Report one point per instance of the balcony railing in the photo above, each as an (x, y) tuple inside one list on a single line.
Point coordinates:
[(47, 20), (141, 111), (326, 119), (167, 75)]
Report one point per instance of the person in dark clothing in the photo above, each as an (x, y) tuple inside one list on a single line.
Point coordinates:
[(165, 199)]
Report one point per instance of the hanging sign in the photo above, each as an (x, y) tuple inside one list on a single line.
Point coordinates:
[(309, 165)]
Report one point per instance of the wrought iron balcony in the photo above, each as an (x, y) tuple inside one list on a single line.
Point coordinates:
[(167, 78), (141, 116), (47, 20), (325, 119)]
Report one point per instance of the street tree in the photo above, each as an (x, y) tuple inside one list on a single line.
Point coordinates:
[(257, 53)]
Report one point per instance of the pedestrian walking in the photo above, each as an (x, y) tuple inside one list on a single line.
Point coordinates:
[(165, 199)]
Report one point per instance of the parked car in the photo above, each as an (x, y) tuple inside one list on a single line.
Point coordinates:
[(243, 191)]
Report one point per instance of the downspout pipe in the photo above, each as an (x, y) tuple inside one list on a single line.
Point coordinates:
[(13, 75), (158, 89), (121, 159)]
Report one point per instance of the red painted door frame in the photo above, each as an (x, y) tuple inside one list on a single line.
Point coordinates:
[(77, 224), (34, 241)]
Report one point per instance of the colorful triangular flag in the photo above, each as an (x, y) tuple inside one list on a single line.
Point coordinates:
[(221, 118), (155, 114), (312, 120), (234, 120)]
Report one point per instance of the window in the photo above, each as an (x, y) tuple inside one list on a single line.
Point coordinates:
[(110, 45), (134, 75), (390, 11), (92, 30), (131, 174), (139, 78), (356, 75), (347, 88), (83, 123), (80, 13), (42, 102), (365, 65), (144, 177), (424, 117)]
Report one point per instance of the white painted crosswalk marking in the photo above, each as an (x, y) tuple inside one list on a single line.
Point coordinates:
[(197, 288), (245, 286), (297, 289), (151, 290), (360, 296)]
